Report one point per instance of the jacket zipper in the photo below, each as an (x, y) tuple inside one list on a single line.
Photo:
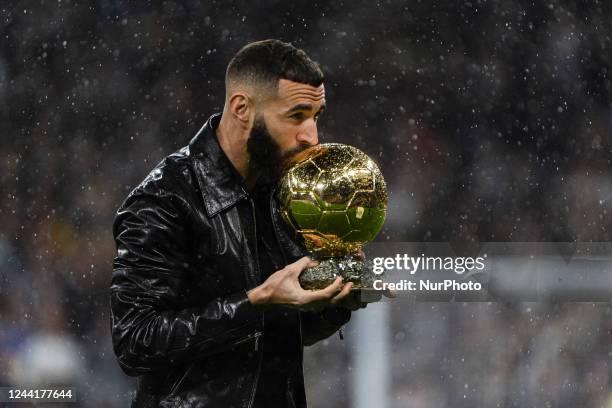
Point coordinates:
[(274, 227), (256, 335), (340, 333), (258, 372), (257, 339), (257, 272)]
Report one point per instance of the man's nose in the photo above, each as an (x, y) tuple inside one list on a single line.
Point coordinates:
[(309, 134)]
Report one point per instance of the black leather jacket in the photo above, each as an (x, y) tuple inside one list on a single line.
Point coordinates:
[(180, 317)]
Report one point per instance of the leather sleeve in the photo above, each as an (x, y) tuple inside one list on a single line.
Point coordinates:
[(150, 330), (317, 326)]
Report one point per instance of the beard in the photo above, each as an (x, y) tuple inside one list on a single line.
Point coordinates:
[(265, 156)]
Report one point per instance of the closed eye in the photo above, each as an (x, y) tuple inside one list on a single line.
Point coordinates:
[(297, 116), (302, 112)]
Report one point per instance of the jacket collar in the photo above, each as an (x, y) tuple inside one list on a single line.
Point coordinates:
[(220, 183)]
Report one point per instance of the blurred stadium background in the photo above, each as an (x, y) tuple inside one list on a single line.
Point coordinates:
[(491, 121)]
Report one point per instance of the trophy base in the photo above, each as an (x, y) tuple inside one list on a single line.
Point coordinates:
[(352, 270)]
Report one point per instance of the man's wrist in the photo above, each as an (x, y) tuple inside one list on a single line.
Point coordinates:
[(259, 295)]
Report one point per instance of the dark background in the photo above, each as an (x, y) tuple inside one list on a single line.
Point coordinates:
[(490, 120)]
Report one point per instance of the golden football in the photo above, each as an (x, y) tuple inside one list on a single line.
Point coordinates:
[(333, 197)]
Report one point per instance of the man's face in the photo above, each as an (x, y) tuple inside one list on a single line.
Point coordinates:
[(285, 125)]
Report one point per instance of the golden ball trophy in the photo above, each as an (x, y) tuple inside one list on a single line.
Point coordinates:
[(334, 199)]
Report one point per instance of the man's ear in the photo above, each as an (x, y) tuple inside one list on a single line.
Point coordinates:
[(242, 108)]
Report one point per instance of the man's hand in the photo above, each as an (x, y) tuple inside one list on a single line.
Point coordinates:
[(359, 299), (283, 288)]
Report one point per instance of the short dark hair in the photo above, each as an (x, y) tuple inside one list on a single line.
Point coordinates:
[(268, 61)]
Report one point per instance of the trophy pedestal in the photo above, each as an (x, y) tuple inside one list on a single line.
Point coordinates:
[(352, 270)]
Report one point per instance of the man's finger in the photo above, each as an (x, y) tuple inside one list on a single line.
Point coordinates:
[(312, 264), (325, 293), (346, 290), (391, 294), (299, 265)]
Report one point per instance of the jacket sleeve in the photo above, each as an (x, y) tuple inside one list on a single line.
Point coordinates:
[(317, 326), (150, 329)]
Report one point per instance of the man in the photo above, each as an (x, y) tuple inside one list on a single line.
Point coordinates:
[(206, 306)]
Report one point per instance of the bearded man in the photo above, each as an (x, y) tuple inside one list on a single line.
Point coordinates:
[(206, 306)]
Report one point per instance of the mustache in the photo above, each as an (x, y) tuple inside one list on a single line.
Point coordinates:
[(291, 156), (293, 151)]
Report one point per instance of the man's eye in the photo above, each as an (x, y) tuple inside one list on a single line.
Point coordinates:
[(298, 116)]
